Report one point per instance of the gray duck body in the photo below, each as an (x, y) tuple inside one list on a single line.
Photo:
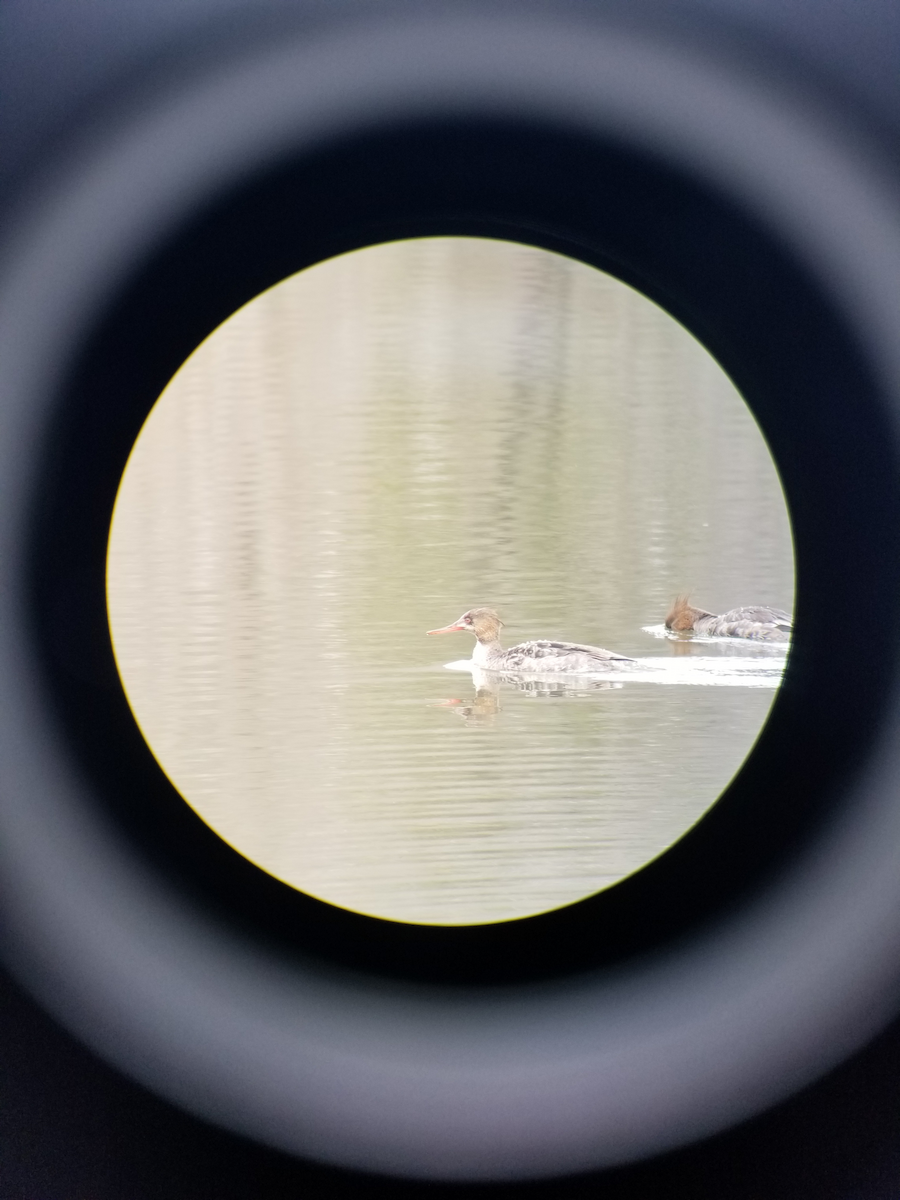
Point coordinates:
[(542, 657), (758, 622)]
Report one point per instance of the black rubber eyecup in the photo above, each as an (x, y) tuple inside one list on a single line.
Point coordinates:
[(748, 957)]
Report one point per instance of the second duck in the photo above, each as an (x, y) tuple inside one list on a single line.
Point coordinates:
[(757, 623)]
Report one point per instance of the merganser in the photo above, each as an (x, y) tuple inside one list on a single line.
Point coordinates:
[(758, 623), (534, 658)]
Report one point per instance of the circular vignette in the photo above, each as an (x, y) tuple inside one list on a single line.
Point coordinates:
[(451, 1083), (142, 587), (194, 283)]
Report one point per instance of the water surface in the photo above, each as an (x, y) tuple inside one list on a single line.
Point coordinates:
[(368, 450)]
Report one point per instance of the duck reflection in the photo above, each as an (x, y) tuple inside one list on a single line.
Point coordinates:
[(483, 708), (709, 646)]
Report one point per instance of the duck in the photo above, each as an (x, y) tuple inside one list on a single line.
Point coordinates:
[(534, 658), (757, 622)]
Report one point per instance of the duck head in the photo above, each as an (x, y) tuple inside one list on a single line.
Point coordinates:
[(683, 615), (483, 622)]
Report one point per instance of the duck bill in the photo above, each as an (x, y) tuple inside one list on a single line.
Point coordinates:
[(447, 629)]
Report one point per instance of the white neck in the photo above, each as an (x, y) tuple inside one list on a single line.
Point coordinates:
[(483, 653)]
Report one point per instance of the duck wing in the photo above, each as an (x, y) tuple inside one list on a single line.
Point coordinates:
[(560, 656), (761, 614), (758, 623)]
